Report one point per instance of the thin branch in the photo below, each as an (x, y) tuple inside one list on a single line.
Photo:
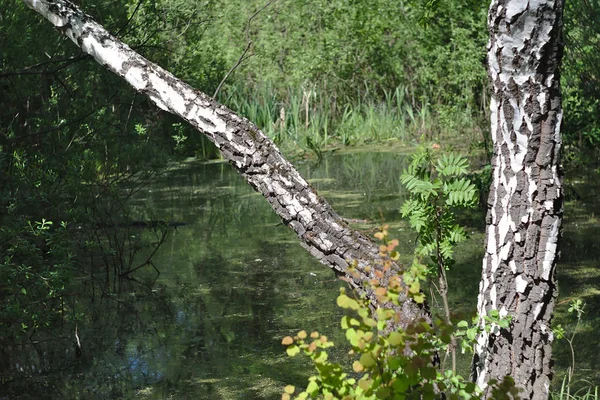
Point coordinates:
[(237, 64), (249, 44), (31, 69), (254, 16), (137, 7)]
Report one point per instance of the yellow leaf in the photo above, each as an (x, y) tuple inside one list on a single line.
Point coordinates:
[(289, 389), (419, 298), (357, 366)]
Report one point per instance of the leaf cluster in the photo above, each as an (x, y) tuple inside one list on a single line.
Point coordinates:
[(397, 364), (437, 186)]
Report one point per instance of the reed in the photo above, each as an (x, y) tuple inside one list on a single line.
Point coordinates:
[(310, 117)]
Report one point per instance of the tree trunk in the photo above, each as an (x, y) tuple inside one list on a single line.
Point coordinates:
[(321, 231), (525, 202)]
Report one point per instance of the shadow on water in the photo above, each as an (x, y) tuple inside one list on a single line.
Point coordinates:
[(234, 281)]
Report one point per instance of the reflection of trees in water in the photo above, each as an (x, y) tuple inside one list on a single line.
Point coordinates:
[(95, 307), (110, 362), (233, 283)]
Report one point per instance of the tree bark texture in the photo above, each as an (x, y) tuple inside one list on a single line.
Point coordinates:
[(525, 203), (321, 231)]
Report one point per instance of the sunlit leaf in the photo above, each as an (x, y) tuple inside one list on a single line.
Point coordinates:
[(289, 389), (367, 360), (292, 350), (395, 338), (287, 341), (312, 388), (357, 366)]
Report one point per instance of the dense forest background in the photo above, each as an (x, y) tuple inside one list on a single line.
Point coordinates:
[(76, 143)]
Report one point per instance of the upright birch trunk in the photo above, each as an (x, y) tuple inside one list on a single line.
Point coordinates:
[(525, 203), (320, 230)]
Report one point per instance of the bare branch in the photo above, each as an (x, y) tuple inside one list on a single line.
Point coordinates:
[(242, 57)]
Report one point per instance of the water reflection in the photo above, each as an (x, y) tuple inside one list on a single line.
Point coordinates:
[(233, 281)]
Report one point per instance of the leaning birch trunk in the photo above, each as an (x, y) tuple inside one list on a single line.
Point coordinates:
[(320, 230), (525, 203)]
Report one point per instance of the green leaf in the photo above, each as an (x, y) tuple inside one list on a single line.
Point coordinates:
[(312, 388), (395, 338), (504, 323), (345, 322), (351, 335), (367, 360), (428, 372), (344, 301), (472, 333), (383, 393), (401, 384), (292, 350)]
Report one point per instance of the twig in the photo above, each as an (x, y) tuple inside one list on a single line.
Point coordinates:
[(137, 7), (237, 64), (248, 45), (31, 69)]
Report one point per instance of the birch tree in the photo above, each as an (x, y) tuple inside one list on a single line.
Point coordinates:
[(320, 229), (525, 204)]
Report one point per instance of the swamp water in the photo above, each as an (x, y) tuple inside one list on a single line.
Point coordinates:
[(233, 282)]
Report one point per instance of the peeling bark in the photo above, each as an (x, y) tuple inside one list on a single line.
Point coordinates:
[(320, 230), (525, 203)]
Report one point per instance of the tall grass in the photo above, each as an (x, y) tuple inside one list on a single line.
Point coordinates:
[(567, 392), (312, 118), (570, 389)]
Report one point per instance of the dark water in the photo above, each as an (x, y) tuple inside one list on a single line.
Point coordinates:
[(233, 282)]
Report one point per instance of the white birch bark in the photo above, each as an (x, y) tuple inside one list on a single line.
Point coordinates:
[(525, 203), (320, 230)]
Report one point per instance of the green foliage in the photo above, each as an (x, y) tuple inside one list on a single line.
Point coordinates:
[(437, 186), (576, 308), (74, 144), (339, 60), (306, 120), (396, 364), (566, 392), (34, 271), (580, 78), (381, 369)]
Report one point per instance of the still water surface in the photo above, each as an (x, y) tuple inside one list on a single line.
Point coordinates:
[(233, 281)]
